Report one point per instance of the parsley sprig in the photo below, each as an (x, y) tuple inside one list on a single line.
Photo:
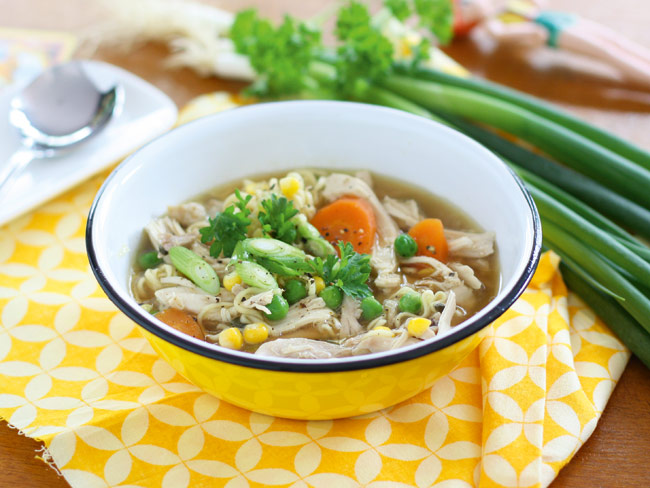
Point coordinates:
[(350, 272), (275, 216), (437, 16), (285, 56), (280, 55), (227, 228), (364, 56)]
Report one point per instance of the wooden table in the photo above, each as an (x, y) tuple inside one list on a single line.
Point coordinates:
[(615, 454)]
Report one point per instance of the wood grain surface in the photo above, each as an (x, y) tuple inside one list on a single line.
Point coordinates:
[(614, 456)]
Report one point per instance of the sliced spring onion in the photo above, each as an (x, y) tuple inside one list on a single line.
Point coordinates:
[(276, 256), (315, 244), (255, 275), (195, 268)]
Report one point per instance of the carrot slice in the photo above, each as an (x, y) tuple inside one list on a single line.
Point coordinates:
[(350, 220), (429, 235), (181, 321)]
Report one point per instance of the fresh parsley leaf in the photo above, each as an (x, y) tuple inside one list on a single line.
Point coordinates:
[(365, 55), (350, 272), (438, 17), (280, 55), (275, 217), (401, 9), (227, 228), (354, 272)]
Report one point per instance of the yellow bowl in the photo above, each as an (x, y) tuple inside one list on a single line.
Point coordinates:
[(287, 135)]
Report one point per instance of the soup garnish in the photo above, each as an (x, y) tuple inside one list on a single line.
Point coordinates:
[(315, 265)]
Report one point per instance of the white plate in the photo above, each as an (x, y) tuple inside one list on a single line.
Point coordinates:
[(147, 112)]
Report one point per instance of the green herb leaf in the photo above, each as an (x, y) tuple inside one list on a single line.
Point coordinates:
[(354, 272), (275, 217), (350, 273), (365, 55), (400, 9), (227, 228), (438, 17), (280, 55)]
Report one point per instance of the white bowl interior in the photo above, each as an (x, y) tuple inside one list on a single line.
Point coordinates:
[(280, 136)]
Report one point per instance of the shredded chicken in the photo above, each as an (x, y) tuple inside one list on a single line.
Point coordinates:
[(165, 233), (466, 274), (405, 212), (259, 301), (444, 324), (310, 311), (365, 176), (374, 341), (470, 244), (350, 313), (442, 277), (213, 207), (187, 213), (301, 348), (191, 300)]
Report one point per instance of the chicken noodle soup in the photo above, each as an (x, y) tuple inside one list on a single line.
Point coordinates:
[(315, 265)]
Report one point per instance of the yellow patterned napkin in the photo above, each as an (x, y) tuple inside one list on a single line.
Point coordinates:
[(77, 374)]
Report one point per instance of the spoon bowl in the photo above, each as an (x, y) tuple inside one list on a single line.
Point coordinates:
[(60, 108)]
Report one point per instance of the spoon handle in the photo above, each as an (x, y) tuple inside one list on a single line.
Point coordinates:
[(13, 165)]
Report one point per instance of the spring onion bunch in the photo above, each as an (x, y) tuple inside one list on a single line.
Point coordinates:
[(591, 187)]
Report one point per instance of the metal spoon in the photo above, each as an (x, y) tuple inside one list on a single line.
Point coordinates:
[(60, 108)]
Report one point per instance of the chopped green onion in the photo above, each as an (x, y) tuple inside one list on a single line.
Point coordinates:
[(315, 244), (255, 275), (195, 268)]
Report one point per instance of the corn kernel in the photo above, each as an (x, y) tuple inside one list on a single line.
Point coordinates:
[(381, 331), (289, 186), (320, 284), (418, 326), (230, 280), (231, 338), (256, 333)]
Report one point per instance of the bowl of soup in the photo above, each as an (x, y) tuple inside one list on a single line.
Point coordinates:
[(313, 260)]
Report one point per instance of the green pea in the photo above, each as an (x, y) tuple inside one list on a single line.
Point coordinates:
[(149, 260), (332, 296), (278, 308), (411, 302), (405, 245), (294, 291), (371, 308)]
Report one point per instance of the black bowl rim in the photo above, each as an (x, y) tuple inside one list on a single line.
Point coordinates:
[(360, 362)]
